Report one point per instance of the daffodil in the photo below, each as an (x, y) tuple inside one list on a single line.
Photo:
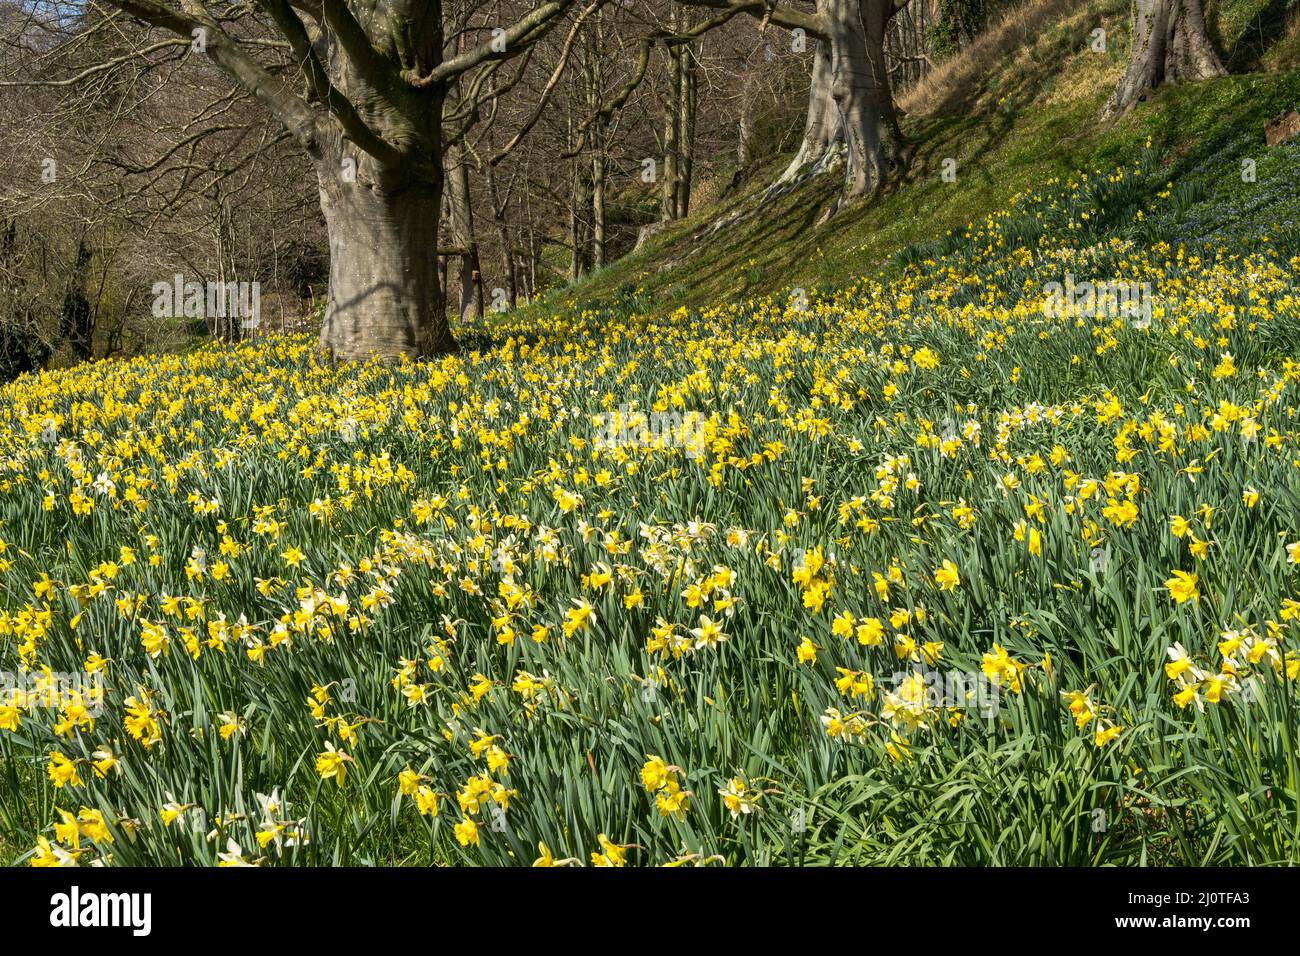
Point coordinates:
[(1182, 587), (946, 576)]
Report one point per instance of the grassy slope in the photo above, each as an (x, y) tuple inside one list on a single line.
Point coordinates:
[(1034, 118)]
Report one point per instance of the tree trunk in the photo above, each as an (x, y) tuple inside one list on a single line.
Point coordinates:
[(75, 324), (505, 237), (534, 257), (744, 135), (462, 223), (745, 121), (599, 167), (669, 190), (686, 81), (1170, 44), (384, 296), (512, 277), (845, 100), (876, 15), (579, 203), (471, 285), (822, 130), (853, 89), (598, 178)]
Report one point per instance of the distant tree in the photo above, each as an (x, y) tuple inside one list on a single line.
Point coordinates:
[(76, 319)]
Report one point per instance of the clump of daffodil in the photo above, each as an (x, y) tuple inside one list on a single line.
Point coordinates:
[(441, 602), (664, 781)]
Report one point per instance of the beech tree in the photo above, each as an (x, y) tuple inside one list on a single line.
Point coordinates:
[(850, 100), (381, 84), (1170, 43)]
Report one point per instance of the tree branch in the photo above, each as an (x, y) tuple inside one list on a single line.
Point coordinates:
[(530, 27), (285, 105)]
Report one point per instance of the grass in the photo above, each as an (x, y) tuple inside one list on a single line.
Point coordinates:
[(892, 578)]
